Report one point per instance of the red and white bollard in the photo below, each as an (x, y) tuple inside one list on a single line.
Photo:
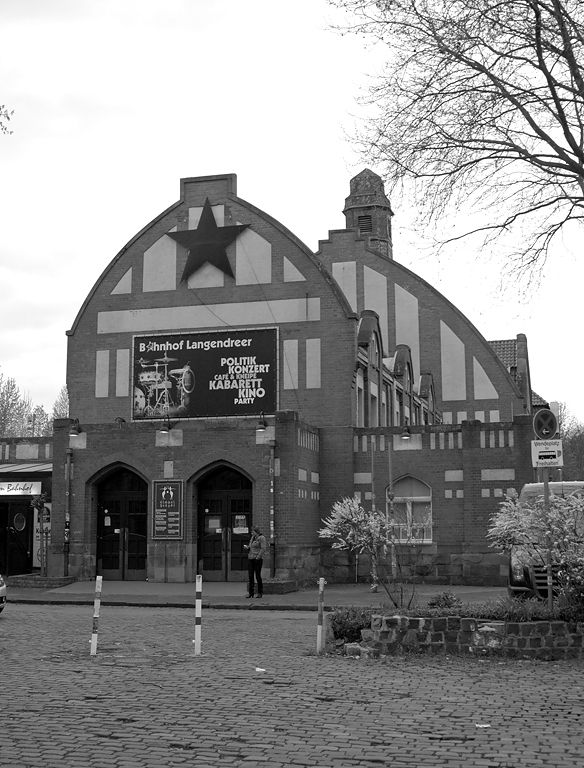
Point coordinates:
[(198, 613), (320, 638), (96, 605)]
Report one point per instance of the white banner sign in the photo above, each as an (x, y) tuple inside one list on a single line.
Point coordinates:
[(21, 488)]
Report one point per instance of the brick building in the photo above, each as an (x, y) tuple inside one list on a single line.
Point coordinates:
[(25, 474), (220, 373)]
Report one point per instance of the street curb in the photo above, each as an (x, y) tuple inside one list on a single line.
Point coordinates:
[(168, 604)]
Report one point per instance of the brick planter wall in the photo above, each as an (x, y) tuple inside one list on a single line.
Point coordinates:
[(390, 635)]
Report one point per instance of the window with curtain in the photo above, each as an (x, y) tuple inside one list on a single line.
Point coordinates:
[(410, 511)]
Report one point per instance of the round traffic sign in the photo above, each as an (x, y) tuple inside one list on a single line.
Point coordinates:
[(545, 424)]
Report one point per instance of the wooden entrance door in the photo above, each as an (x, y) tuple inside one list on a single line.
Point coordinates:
[(225, 515), (122, 527)]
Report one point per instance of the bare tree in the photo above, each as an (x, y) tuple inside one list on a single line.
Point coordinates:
[(38, 422), (14, 408), (567, 422), (5, 116), (481, 106), (19, 417), (572, 433), (61, 404)]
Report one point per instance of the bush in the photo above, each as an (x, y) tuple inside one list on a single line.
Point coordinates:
[(347, 623), (509, 609), (571, 579), (445, 600)]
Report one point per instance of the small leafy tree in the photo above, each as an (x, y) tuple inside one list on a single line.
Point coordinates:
[(525, 527), (528, 529), (359, 530), (381, 537)]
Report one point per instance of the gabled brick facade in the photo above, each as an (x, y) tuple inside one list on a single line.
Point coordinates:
[(363, 348)]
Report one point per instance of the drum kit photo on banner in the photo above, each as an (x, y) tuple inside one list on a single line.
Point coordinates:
[(161, 390)]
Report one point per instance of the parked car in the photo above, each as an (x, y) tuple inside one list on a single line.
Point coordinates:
[(2, 594), (528, 575)]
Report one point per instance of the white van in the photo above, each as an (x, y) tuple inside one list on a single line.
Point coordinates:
[(529, 578), (531, 491)]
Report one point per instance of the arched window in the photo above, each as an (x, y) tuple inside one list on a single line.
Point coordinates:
[(360, 398), (410, 511)]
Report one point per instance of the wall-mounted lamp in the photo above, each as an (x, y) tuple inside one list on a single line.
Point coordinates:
[(74, 429), (262, 424), (119, 421), (166, 426), (405, 433)]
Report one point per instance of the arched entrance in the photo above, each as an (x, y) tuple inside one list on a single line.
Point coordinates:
[(122, 526), (224, 524)]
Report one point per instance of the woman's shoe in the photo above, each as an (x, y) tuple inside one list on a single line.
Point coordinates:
[(248, 596), (258, 595)]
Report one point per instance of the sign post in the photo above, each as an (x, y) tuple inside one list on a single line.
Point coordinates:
[(545, 453)]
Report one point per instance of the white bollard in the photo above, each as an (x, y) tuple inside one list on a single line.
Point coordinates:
[(198, 607), (96, 604)]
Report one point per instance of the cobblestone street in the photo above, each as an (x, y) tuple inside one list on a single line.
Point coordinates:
[(260, 696)]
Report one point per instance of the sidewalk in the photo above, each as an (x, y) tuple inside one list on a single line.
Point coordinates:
[(233, 595)]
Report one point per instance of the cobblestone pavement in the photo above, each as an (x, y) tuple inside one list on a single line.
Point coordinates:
[(259, 696)]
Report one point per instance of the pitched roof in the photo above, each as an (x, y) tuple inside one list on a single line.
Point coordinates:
[(506, 351), (538, 400)]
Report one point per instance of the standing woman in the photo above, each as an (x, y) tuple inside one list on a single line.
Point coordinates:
[(255, 558)]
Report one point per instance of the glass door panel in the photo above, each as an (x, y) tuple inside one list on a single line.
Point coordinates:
[(213, 539)]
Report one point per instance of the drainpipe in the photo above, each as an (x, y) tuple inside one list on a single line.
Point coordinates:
[(66, 546), (272, 444)]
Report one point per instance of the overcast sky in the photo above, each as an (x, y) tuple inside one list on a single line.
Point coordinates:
[(115, 100)]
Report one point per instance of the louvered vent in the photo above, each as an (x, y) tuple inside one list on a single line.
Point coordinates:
[(365, 224)]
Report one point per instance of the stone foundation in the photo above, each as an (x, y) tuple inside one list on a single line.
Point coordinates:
[(279, 587), (391, 635), (431, 565)]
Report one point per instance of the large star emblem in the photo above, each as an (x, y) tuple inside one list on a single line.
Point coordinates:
[(207, 243)]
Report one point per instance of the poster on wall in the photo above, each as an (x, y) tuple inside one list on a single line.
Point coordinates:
[(42, 529), (213, 373), (167, 515)]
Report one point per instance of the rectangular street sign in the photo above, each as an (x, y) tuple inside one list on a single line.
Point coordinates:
[(547, 453)]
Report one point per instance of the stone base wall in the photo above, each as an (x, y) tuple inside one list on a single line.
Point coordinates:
[(298, 563), (391, 635), (431, 565)]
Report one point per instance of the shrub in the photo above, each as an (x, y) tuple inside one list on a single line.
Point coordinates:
[(508, 609), (347, 623), (445, 600)]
